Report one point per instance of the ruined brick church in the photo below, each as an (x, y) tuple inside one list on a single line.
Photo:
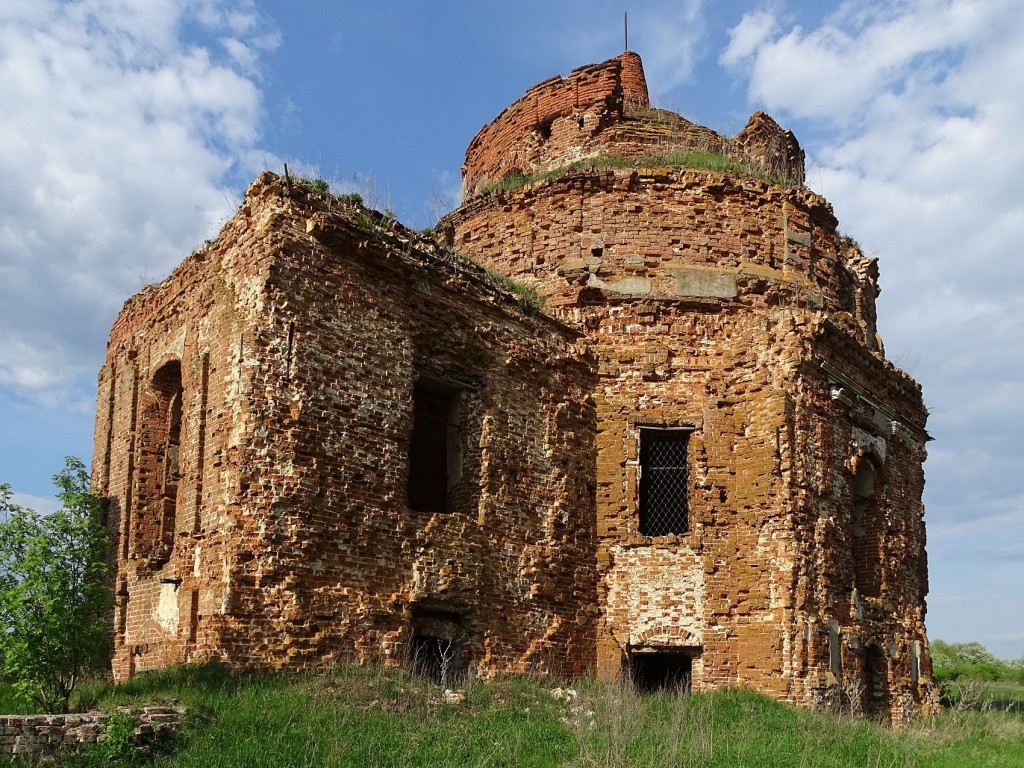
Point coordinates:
[(327, 438)]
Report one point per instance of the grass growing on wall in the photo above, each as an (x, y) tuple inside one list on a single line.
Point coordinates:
[(696, 159)]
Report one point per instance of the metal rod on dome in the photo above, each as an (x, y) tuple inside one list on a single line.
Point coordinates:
[(625, 28)]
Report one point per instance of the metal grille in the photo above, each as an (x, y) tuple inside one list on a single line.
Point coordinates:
[(664, 507)]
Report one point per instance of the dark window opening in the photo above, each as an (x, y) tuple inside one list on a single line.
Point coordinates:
[(664, 476), (193, 618), (172, 473), (435, 449), (543, 129), (653, 672)]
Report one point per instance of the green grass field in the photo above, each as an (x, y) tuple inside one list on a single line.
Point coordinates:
[(371, 717), (984, 695)]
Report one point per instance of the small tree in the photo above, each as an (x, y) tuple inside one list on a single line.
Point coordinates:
[(55, 597)]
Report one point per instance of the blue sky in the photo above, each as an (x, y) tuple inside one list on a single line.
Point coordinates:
[(129, 130)]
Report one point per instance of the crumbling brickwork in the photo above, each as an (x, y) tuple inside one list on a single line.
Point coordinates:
[(45, 738), (327, 438), (300, 336), (604, 109)]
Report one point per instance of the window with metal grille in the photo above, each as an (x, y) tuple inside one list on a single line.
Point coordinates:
[(664, 503)]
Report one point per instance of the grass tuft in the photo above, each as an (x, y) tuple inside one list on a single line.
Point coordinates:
[(528, 299)]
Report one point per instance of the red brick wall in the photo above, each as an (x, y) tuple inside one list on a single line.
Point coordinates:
[(604, 109), (200, 318), (634, 82), (668, 233), (305, 551), (555, 122), (710, 302)]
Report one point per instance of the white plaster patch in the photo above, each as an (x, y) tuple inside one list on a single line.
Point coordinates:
[(176, 348), (660, 591), (166, 613), (638, 286), (865, 440)]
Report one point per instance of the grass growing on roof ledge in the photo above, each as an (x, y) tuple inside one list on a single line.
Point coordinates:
[(695, 159)]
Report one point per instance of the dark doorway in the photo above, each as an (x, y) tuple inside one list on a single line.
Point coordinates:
[(436, 658), (876, 684), (653, 672)]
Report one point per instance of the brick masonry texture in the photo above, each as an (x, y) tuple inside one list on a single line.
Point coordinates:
[(261, 417), (28, 736), (604, 109)]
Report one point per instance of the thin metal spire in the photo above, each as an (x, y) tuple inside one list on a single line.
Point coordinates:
[(625, 28)]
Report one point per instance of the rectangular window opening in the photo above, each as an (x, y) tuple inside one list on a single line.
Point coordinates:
[(435, 449), (664, 482)]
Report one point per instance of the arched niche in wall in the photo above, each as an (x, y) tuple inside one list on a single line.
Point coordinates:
[(876, 684), (158, 464), (867, 525)]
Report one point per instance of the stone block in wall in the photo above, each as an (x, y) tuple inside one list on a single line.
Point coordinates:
[(47, 735), (703, 282)]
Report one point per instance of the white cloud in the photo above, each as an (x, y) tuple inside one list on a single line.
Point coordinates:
[(44, 504), (864, 49), (671, 42), (117, 140), (916, 107), (749, 35)]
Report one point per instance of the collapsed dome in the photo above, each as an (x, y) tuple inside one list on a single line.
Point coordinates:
[(602, 112)]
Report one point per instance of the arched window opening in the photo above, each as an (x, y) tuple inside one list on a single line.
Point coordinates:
[(160, 463), (867, 531), (172, 470)]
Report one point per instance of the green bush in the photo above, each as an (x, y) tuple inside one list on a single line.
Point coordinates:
[(54, 592), (118, 745), (953, 661), (320, 187)]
